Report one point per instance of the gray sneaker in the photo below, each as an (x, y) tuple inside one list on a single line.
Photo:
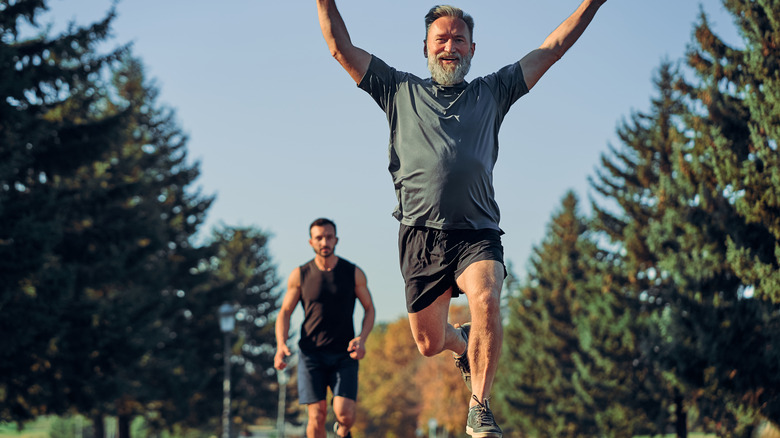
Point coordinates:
[(462, 361), (480, 423)]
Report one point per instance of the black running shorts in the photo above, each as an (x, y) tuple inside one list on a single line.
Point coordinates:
[(432, 259), (318, 370)]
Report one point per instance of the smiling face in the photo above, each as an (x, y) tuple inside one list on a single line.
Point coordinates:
[(449, 50)]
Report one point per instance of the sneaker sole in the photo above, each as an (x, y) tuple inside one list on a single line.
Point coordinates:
[(470, 432)]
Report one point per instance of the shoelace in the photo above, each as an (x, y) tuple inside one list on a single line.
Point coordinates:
[(484, 415)]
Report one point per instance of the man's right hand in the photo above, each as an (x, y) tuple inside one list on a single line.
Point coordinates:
[(282, 352)]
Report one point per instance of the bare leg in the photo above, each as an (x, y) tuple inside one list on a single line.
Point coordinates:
[(317, 414), (482, 282), (344, 409), (431, 331)]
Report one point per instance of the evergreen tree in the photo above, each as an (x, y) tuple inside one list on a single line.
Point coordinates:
[(185, 372), (99, 269), (674, 219), (134, 217), (246, 269), (634, 181), (714, 336), (569, 346), (739, 90), (48, 131)]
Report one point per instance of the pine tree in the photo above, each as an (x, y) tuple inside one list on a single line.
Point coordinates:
[(48, 131), (740, 90), (246, 271), (185, 372), (634, 181), (98, 218), (717, 237), (569, 346), (134, 220)]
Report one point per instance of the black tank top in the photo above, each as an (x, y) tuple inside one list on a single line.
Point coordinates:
[(328, 299)]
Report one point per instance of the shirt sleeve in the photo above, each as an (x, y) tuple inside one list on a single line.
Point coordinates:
[(381, 82), (507, 85)]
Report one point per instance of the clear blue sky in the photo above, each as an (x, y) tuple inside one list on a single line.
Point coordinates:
[(284, 136)]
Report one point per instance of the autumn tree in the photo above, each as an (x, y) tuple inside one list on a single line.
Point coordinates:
[(443, 394), (388, 400)]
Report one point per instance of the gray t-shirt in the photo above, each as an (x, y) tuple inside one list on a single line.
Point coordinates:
[(444, 143)]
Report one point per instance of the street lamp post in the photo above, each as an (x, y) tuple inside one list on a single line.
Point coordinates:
[(227, 323), (432, 424), (281, 376)]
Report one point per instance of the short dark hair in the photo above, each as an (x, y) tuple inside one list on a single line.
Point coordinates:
[(439, 11), (321, 222)]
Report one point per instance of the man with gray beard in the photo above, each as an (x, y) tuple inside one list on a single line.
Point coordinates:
[(443, 147)]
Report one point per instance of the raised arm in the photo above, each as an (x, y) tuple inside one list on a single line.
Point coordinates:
[(290, 300), (354, 59), (537, 62)]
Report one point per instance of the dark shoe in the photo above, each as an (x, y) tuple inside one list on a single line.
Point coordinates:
[(480, 423), (462, 361), (336, 428)]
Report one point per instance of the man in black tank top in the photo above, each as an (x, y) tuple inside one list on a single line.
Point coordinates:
[(327, 287)]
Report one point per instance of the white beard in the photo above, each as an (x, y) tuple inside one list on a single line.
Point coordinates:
[(449, 76)]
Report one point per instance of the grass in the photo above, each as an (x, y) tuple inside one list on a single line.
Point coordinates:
[(36, 429), (41, 428), (690, 435)]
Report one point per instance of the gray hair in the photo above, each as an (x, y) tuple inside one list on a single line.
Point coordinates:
[(439, 11)]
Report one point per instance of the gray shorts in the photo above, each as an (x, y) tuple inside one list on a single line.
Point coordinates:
[(432, 259)]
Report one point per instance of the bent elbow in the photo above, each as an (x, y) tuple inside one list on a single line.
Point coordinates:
[(339, 56), (335, 53)]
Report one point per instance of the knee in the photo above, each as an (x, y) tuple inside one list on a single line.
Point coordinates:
[(317, 417), (487, 300), (429, 346), (346, 418)]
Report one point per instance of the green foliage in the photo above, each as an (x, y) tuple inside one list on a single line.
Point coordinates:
[(111, 305), (48, 132), (637, 181), (717, 241), (243, 267), (740, 90), (568, 367), (694, 229)]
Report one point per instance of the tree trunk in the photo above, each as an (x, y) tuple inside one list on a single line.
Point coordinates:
[(123, 426), (681, 417), (99, 426)]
